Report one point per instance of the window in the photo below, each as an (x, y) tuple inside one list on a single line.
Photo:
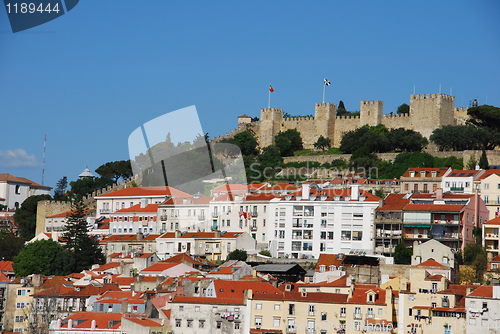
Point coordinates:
[(311, 309), (189, 323), (177, 322), (196, 308), (258, 321), (236, 325), (380, 311), (258, 306), (369, 312), (342, 312), (447, 329), (323, 316), (201, 324), (19, 318), (218, 324), (357, 313), (276, 321), (18, 189), (277, 306), (291, 309), (411, 298)]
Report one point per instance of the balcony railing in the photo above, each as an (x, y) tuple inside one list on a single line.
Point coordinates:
[(201, 217), (105, 211), (253, 228), (254, 214), (163, 217), (357, 315), (456, 188), (215, 214)]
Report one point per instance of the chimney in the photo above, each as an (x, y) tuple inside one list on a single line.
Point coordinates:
[(439, 193), (144, 202), (178, 234), (355, 192), (306, 188), (70, 323), (140, 236), (217, 234)]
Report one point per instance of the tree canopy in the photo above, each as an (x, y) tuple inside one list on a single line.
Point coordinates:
[(403, 109), (402, 254), (87, 185), (10, 245), (25, 216), (486, 117), (379, 139), (322, 143), (288, 142), (237, 254), (60, 189), (115, 170), (85, 248), (461, 137), (45, 257)]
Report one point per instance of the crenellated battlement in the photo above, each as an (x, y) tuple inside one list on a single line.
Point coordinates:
[(427, 112), (298, 118), (348, 117), (432, 96), (392, 115)]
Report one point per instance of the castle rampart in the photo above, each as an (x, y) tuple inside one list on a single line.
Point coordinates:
[(427, 112)]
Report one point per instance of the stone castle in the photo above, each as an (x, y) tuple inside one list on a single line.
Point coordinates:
[(427, 112)]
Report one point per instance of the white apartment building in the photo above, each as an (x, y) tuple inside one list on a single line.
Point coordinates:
[(128, 197), (184, 214), (139, 218), (460, 181), (483, 310), (15, 190), (308, 223)]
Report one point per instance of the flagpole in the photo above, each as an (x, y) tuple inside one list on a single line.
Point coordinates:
[(324, 88), (269, 97)]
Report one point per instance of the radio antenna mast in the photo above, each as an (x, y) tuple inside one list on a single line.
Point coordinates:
[(44, 151)]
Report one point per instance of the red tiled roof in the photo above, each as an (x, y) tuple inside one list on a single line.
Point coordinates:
[(107, 266), (487, 173), (103, 320), (10, 178), (146, 192), (328, 260), (137, 208), (482, 291), (208, 300), (431, 263), (235, 289), (434, 278), (359, 295), (231, 187), (440, 171), (494, 221), (6, 266), (4, 278), (496, 258), (260, 197), (160, 266), (394, 202), (183, 257)]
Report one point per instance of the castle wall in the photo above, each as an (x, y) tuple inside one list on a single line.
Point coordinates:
[(305, 125), (395, 121), (344, 124)]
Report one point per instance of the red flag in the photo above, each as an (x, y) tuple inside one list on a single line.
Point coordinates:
[(271, 89)]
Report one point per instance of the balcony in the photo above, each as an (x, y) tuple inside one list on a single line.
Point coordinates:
[(201, 217), (357, 316), (491, 236), (163, 217), (457, 189), (307, 248), (291, 330), (447, 222), (253, 228), (254, 214), (215, 215), (448, 236), (104, 211)]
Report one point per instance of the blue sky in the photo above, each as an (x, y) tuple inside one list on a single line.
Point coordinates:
[(92, 76)]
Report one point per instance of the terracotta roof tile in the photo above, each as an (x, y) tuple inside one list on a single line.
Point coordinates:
[(482, 291), (431, 263), (145, 192)]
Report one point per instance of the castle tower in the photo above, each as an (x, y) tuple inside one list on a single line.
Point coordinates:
[(431, 111), (243, 120), (270, 125), (324, 120), (371, 112)]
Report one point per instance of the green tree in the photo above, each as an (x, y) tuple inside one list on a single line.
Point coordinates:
[(237, 254), (406, 160), (339, 163), (406, 140), (10, 245), (488, 118), (288, 142), (115, 170), (403, 109), (25, 216), (372, 137), (460, 137), (341, 110), (60, 190), (82, 187), (265, 252), (85, 248), (402, 254), (475, 255), (471, 163), (41, 257), (322, 143), (363, 158), (483, 161)]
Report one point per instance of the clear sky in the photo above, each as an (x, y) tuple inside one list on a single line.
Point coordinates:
[(90, 77)]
